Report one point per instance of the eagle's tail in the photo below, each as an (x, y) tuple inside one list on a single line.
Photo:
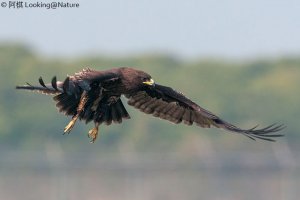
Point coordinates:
[(56, 87)]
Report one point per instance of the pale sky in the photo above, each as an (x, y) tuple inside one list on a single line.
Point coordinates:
[(188, 28)]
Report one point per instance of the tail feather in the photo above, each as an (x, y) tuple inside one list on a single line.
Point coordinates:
[(110, 113), (107, 118), (122, 110), (66, 103)]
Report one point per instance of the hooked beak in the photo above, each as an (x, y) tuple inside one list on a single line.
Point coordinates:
[(150, 82)]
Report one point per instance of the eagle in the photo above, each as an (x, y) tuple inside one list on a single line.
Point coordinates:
[(92, 95)]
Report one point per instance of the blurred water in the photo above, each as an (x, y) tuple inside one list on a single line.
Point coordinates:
[(57, 175)]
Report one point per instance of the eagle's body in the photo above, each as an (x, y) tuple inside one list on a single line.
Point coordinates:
[(92, 95)]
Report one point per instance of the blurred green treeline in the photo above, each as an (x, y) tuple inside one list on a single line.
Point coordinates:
[(246, 93)]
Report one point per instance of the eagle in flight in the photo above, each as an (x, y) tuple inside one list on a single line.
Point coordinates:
[(92, 95)]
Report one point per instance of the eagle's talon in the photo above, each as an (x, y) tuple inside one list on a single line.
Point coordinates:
[(69, 127), (93, 133)]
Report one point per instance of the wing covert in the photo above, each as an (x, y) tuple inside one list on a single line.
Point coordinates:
[(168, 104)]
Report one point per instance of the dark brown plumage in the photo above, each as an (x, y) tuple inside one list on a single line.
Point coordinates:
[(92, 95)]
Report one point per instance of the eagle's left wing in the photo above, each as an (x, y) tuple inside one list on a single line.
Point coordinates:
[(168, 104)]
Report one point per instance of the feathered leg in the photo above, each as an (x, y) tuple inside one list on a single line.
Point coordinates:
[(93, 133), (83, 100)]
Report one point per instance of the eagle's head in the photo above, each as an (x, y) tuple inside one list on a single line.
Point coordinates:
[(136, 79)]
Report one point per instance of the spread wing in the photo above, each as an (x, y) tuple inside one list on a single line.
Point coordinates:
[(168, 104)]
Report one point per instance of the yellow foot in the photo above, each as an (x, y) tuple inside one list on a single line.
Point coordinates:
[(69, 127), (93, 134)]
